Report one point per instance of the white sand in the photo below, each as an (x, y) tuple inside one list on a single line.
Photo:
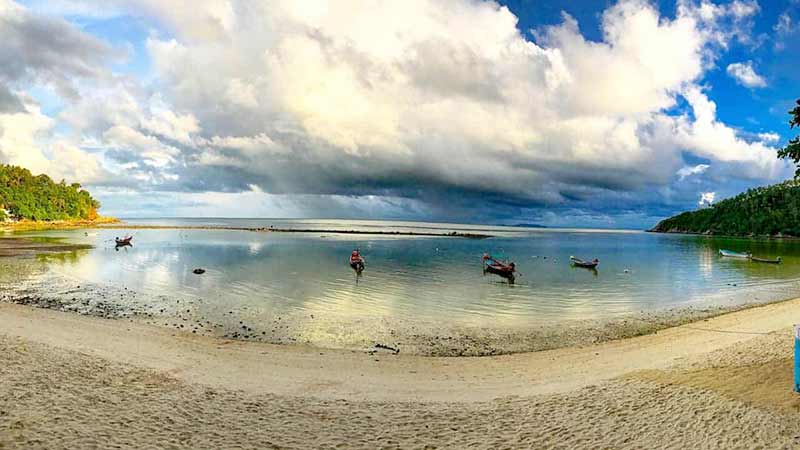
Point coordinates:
[(68, 381)]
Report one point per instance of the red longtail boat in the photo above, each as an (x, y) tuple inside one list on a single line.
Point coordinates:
[(496, 267)]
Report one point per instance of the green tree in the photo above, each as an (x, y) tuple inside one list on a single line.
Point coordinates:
[(32, 197), (792, 150)]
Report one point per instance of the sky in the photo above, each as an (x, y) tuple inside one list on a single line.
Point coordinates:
[(611, 114)]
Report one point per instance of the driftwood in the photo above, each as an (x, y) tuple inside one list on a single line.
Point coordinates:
[(386, 347)]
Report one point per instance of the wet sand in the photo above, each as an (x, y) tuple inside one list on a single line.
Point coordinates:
[(21, 247), (32, 225), (71, 381)]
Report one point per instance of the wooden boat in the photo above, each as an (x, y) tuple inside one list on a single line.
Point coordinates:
[(357, 262), (577, 262), (493, 266), (777, 260), (731, 254), (123, 241)]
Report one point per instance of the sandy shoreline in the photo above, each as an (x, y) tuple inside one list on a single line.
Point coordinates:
[(81, 381), (336, 374)]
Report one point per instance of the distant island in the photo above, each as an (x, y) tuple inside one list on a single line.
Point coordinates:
[(528, 225), (28, 200), (765, 211)]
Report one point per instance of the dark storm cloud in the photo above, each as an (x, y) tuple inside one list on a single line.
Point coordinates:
[(46, 50), (9, 103)]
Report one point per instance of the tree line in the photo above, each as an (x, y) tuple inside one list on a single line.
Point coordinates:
[(37, 197), (764, 211)]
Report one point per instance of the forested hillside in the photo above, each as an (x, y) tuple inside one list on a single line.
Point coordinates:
[(26, 196), (765, 211)]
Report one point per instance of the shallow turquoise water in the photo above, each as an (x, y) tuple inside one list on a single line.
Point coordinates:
[(427, 295), (305, 280)]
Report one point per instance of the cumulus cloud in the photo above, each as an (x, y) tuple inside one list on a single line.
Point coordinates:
[(426, 101), (688, 171), (410, 100), (707, 198), (21, 144), (769, 137), (745, 75), (48, 52)]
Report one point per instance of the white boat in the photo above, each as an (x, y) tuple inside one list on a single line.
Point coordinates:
[(731, 254)]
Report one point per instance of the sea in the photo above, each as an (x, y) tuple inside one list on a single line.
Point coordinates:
[(299, 288)]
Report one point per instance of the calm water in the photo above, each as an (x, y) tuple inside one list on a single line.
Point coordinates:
[(305, 278)]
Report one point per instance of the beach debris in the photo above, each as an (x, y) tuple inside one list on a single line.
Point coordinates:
[(386, 347), (199, 271)]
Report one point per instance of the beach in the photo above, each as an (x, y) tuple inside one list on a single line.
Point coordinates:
[(71, 381), (471, 224), (119, 374)]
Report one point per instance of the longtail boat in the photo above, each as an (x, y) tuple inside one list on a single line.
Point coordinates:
[(577, 262), (732, 254), (777, 260), (357, 261), (123, 241), (493, 266)]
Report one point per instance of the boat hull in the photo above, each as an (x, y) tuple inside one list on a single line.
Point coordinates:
[(766, 261), (507, 273), (584, 264), (730, 254)]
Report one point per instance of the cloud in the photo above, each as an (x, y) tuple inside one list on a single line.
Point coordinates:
[(30, 54), (744, 9), (410, 100), (707, 198), (712, 139), (745, 75), (45, 52), (365, 105), (784, 28), (784, 25), (769, 137), (9, 101), (20, 144), (688, 171)]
